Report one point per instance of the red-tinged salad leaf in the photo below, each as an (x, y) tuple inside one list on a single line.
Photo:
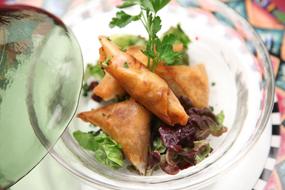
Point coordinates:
[(206, 123), (176, 137), (173, 161), (168, 168), (202, 149), (186, 145), (202, 123), (185, 102), (154, 159)]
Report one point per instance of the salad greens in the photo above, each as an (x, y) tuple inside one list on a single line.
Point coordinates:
[(125, 41), (159, 50), (179, 147), (202, 149), (85, 89), (181, 36), (158, 145), (221, 117), (107, 151), (93, 70)]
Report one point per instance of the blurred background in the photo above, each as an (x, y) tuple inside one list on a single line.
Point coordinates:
[(266, 16)]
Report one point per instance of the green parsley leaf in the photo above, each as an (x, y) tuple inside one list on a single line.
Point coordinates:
[(156, 25), (128, 3), (149, 52), (150, 5), (122, 19), (169, 39), (147, 5), (159, 4), (106, 150), (169, 56), (156, 49), (165, 50)]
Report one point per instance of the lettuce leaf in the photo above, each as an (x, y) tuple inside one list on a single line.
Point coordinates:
[(107, 151)]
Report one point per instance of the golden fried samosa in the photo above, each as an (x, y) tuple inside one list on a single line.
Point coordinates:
[(190, 81), (108, 88), (147, 88), (128, 123)]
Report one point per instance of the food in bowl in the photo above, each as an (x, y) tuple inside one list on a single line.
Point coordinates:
[(155, 110)]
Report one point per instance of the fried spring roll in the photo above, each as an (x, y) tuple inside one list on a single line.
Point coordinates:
[(147, 88), (128, 123), (108, 88), (189, 81)]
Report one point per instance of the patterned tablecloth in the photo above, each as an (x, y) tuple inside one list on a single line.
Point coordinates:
[(268, 18)]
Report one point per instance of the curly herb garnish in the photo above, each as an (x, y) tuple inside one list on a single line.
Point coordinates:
[(157, 50)]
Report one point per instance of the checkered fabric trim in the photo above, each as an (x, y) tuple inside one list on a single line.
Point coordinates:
[(275, 143)]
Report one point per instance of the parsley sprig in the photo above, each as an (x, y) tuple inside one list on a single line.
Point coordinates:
[(157, 50)]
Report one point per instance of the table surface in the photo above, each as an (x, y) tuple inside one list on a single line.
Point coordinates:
[(267, 16)]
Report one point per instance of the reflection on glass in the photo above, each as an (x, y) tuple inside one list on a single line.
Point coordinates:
[(40, 80)]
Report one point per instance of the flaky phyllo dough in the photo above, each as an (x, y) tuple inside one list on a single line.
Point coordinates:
[(145, 87), (189, 81), (128, 123)]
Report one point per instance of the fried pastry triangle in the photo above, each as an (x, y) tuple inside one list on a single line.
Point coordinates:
[(128, 123)]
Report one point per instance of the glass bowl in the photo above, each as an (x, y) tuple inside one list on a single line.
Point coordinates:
[(237, 63)]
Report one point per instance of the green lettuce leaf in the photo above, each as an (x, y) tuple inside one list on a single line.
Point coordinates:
[(106, 150)]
